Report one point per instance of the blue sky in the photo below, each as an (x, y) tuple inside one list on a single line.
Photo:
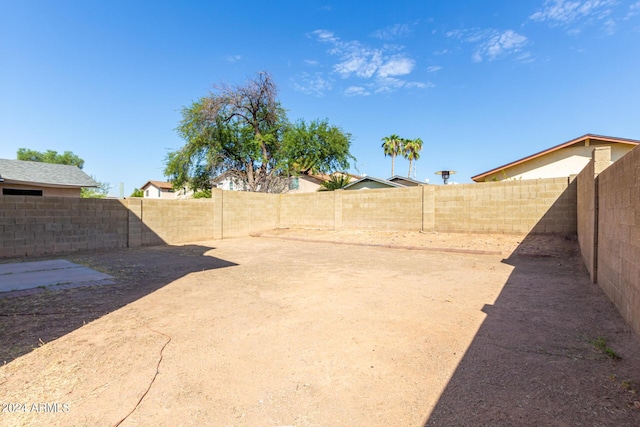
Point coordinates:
[(482, 83)]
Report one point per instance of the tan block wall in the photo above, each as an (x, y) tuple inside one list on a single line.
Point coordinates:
[(176, 221), (308, 210), (546, 206), (618, 265), (47, 225), (586, 201), (587, 205), (244, 213), (382, 209), (428, 207), (541, 206)]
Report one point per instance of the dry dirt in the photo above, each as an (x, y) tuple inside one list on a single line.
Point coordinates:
[(290, 330)]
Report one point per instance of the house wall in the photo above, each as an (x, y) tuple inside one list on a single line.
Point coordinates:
[(151, 192), (306, 184), (168, 194), (230, 184), (158, 193), (46, 191), (562, 163)]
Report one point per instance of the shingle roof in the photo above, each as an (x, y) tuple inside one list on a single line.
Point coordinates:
[(20, 171)]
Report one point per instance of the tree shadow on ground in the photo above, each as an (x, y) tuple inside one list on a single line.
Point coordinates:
[(29, 321), (534, 360)]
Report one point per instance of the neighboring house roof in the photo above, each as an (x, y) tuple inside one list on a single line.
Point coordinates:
[(158, 184), (45, 174), (575, 141), (373, 179), (408, 182)]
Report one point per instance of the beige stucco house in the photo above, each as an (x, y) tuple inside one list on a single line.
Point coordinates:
[(158, 190), (25, 178), (560, 161)]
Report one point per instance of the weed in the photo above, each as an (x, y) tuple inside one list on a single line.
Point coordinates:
[(628, 385), (601, 345)]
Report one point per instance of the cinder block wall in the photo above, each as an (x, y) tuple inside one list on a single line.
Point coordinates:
[(588, 205), (618, 256), (176, 221), (545, 206), (47, 225), (382, 209), (243, 213), (33, 225), (586, 202), (308, 210)]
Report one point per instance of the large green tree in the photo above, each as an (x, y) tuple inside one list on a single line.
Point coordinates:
[(243, 131), (66, 158), (392, 146), (50, 156)]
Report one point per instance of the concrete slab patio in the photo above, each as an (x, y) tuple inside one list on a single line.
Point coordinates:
[(280, 332), (20, 276)]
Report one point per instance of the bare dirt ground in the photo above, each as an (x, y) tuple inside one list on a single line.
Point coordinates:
[(290, 330)]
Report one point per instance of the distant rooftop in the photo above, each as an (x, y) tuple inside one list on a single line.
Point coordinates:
[(158, 184), (24, 172), (374, 179)]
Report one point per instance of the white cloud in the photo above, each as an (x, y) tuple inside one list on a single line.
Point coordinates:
[(393, 32), (396, 67), (420, 85), (507, 41), (434, 68), (311, 62), (634, 10), (573, 14), (312, 84), (358, 60), (234, 58), (356, 91), (324, 35), (568, 11), (391, 84), (491, 44), (525, 58), (380, 65)]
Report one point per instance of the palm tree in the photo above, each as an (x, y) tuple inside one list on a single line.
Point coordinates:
[(392, 145), (335, 182), (411, 151)]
